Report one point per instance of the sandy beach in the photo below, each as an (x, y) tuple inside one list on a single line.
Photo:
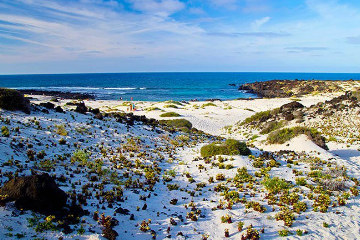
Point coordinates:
[(186, 195)]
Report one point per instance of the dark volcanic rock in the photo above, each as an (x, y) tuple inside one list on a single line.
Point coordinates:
[(48, 105), (37, 192), (291, 106), (81, 108), (59, 109), (59, 94), (13, 100)]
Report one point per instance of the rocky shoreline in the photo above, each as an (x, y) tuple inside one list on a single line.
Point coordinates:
[(58, 94), (297, 88)]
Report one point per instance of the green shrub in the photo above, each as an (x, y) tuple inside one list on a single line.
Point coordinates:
[(177, 123), (80, 156), (60, 129), (152, 109), (260, 116), (210, 104), (230, 147), (275, 184), (170, 106), (272, 126), (173, 186), (170, 114), (284, 233), (300, 181), (13, 100), (283, 135), (5, 131), (285, 215)]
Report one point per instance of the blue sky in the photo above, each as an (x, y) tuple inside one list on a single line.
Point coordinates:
[(58, 36)]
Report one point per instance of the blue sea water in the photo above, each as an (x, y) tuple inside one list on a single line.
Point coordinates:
[(158, 86)]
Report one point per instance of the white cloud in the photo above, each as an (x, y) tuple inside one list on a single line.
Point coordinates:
[(259, 22), (75, 30)]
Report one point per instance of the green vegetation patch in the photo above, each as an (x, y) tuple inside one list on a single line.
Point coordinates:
[(210, 104), (170, 106), (272, 126), (275, 184), (230, 147), (177, 123), (283, 135), (170, 114), (261, 116)]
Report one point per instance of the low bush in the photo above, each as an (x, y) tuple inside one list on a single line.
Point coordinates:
[(210, 104), (230, 147), (275, 184), (80, 156), (170, 114), (5, 131), (170, 106), (177, 123), (60, 129), (283, 135), (272, 126)]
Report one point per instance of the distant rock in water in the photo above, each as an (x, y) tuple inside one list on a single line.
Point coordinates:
[(37, 192), (13, 100)]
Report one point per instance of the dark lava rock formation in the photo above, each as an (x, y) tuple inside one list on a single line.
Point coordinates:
[(13, 100), (39, 193)]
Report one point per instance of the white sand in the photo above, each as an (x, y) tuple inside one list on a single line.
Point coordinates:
[(344, 221)]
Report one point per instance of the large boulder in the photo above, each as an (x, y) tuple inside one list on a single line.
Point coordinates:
[(13, 100), (291, 106), (37, 192), (81, 108)]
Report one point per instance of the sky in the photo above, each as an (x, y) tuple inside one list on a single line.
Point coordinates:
[(63, 36)]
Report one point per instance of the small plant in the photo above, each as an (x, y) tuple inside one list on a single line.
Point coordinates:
[(275, 185), (80, 156), (322, 203), (226, 233), (301, 181), (60, 129), (285, 215), (144, 226), (256, 206), (251, 234), (5, 131), (284, 233), (325, 225), (300, 232), (172, 187), (226, 219), (220, 177), (240, 226), (354, 191)]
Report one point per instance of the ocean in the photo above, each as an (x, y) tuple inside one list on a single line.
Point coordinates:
[(158, 86)]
